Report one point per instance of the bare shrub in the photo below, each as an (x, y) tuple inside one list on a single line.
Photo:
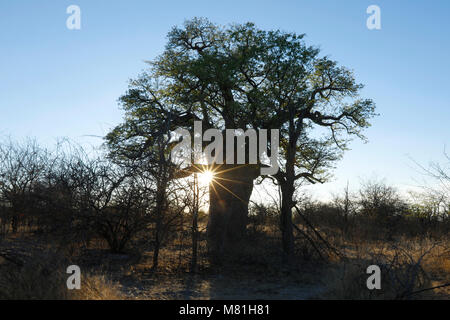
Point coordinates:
[(382, 205), (402, 275), (22, 168)]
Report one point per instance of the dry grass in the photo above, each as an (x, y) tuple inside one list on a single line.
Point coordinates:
[(46, 280), (407, 267), (31, 282), (97, 287), (255, 271)]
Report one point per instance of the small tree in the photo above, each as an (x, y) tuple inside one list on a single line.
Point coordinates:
[(380, 201), (346, 204), (317, 94), (143, 146), (440, 172)]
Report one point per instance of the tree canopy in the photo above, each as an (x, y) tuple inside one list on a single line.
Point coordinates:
[(239, 77)]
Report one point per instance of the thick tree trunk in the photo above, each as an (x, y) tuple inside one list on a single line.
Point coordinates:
[(229, 196)]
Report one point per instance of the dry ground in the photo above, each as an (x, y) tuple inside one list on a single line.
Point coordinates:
[(255, 274)]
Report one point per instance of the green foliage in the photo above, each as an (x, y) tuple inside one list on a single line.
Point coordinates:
[(239, 76)]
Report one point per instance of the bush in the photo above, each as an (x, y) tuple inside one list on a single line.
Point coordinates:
[(401, 275)]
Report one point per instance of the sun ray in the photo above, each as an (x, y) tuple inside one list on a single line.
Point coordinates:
[(211, 174), (230, 180), (231, 192)]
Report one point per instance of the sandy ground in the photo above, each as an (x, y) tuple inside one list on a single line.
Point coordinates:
[(219, 287)]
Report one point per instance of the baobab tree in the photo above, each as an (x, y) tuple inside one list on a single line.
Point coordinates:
[(241, 77)]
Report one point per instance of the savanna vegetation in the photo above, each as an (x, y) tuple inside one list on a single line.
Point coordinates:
[(143, 226)]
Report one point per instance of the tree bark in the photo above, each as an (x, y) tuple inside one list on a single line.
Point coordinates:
[(229, 195)]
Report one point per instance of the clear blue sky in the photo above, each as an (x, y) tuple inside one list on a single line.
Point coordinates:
[(65, 83)]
